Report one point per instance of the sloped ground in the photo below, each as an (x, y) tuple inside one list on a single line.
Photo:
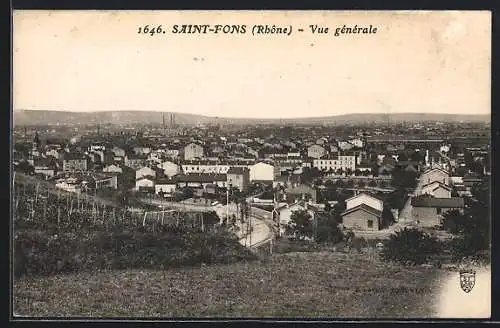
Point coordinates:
[(285, 285)]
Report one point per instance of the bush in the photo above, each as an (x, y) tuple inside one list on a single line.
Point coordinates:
[(410, 247), (39, 254)]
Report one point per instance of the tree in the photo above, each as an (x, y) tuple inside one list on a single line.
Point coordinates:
[(361, 184), (328, 207), (454, 221), (387, 216), (349, 183), (300, 225), (410, 247), (328, 229)]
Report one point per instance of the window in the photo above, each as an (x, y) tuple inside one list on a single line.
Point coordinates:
[(438, 210), (370, 223)]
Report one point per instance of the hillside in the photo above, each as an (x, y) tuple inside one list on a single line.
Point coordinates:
[(286, 285), (42, 117)]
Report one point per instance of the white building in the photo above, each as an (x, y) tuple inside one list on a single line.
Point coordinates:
[(144, 182), (167, 187), (262, 172), (169, 168), (193, 151), (316, 151), (144, 171), (343, 162), (113, 168), (366, 199)]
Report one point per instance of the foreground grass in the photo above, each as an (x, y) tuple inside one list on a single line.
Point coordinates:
[(286, 285)]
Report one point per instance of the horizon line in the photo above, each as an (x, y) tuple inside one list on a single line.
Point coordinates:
[(247, 118)]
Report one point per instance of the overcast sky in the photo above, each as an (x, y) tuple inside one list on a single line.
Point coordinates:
[(434, 62)]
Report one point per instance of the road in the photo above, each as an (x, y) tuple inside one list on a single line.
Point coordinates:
[(261, 230)]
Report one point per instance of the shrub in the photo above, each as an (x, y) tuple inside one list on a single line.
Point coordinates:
[(410, 247), (41, 254)]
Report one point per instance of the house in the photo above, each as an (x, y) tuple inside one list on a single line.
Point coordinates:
[(75, 162), (135, 161), (335, 162), (144, 171), (365, 198), (285, 213), (436, 189), (357, 142), (386, 169), (427, 211), (435, 174), (362, 217), (201, 180), (145, 183), (345, 145), (193, 151), (118, 152), (169, 168), (165, 186), (301, 192), (363, 212), (316, 151), (142, 150), (262, 172), (45, 167), (113, 168), (104, 156), (238, 177)]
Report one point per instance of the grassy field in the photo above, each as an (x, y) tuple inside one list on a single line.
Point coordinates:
[(322, 284)]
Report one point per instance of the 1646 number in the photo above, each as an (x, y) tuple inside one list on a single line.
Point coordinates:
[(151, 30)]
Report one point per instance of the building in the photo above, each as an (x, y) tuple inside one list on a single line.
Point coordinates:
[(135, 161), (435, 174), (45, 167), (286, 211), (167, 187), (363, 212), (428, 211), (75, 162), (362, 217), (144, 171), (436, 189), (193, 151), (262, 172), (169, 168), (336, 162), (113, 168), (118, 152), (315, 151), (238, 177), (201, 180), (300, 192), (145, 183)]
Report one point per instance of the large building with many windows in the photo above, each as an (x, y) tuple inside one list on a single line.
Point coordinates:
[(336, 162)]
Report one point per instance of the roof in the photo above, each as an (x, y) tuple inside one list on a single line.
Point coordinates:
[(237, 170), (453, 202), (363, 207), (439, 183), (165, 181), (435, 169), (74, 156), (366, 194), (203, 177)]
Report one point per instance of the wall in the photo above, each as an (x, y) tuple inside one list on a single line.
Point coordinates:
[(358, 220), (262, 172), (426, 216)]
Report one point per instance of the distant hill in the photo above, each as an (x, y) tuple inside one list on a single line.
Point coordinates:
[(33, 117)]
